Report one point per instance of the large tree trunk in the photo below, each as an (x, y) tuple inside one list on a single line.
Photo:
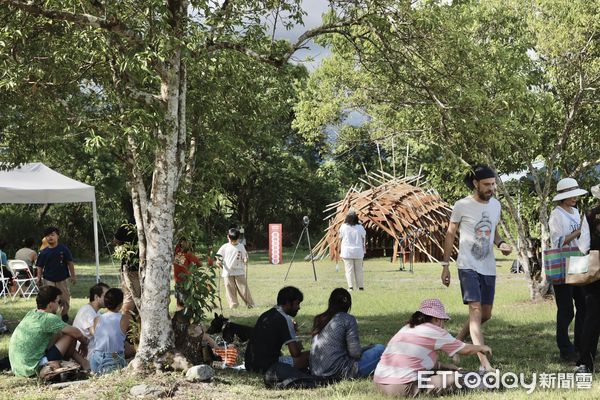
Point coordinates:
[(156, 338)]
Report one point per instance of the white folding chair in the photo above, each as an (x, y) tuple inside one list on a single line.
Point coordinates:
[(4, 281), (25, 281)]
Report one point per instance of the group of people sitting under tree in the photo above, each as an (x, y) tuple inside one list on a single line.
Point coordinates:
[(95, 341)]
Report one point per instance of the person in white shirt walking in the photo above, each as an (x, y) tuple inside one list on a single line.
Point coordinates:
[(476, 217), (234, 260), (353, 247)]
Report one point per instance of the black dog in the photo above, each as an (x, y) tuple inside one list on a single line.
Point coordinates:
[(229, 329)]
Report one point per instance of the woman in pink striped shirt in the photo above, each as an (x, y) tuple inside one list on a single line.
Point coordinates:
[(414, 348)]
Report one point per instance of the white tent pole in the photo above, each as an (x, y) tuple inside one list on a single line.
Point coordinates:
[(96, 250)]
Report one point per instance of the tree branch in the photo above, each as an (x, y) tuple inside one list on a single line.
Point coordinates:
[(279, 61), (84, 20), (148, 98)]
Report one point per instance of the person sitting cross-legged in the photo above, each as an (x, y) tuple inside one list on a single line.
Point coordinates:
[(273, 329), (42, 339), (107, 351)]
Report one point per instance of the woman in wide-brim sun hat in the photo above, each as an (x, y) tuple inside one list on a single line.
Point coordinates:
[(414, 348), (565, 227)]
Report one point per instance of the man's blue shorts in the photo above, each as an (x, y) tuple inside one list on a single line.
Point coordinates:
[(476, 287)]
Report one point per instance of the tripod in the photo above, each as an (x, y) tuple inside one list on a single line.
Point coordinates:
[(305, 222)]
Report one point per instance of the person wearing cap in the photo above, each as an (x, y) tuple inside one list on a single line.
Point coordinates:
[(591, 325), (565, 227), (414, 348), (55, 265), (476, 217), (353, 247)]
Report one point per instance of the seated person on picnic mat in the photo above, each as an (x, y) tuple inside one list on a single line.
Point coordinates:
[(42, 339), (107, 350), (414, 348), (84, 320), (335, 351), (273, 329)]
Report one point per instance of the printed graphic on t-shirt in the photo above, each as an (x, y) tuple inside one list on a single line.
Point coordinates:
[(483, 230)]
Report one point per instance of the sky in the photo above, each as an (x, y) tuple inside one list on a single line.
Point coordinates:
[(314, 10)]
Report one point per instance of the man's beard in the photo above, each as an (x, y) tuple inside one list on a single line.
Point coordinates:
[(484, 196)]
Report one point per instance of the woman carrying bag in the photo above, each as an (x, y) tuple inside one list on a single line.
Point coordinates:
[(565, 229)]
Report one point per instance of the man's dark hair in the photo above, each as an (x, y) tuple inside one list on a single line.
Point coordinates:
[(2, 243), (97, 290), (289, 294), (29, 242), (233, 234), (50, 230), (46, 295), (113, 298), (477, 173)]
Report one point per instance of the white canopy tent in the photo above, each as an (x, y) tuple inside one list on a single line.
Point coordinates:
[(35, 183)]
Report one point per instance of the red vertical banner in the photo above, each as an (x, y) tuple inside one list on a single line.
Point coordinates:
[(275, 244)]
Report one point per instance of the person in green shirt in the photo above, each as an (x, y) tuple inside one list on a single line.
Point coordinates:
[(42, 338)]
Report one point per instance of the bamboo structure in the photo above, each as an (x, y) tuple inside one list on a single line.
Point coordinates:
[(399, 217)]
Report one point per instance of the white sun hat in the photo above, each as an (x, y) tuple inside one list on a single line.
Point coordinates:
[(568, 187)]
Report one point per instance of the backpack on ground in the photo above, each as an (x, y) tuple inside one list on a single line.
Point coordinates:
[(284, 376)]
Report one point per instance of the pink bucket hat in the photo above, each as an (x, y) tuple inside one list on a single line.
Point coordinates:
[(433, 308)]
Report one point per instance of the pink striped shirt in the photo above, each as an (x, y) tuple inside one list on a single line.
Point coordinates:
[(412, 350)]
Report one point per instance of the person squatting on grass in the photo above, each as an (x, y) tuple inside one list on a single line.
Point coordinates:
[(55, 265), (565, 228), (234, 260), (414, 349), (107, 351), (273, 329), (42, 339), (335, 351), (591, 325), (352, 250), (477, 217)]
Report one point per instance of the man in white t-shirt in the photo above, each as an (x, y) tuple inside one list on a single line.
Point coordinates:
[(84, 320), (477, 217), (234, 260)]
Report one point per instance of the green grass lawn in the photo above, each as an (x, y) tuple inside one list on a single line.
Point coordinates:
[(520, 333)]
